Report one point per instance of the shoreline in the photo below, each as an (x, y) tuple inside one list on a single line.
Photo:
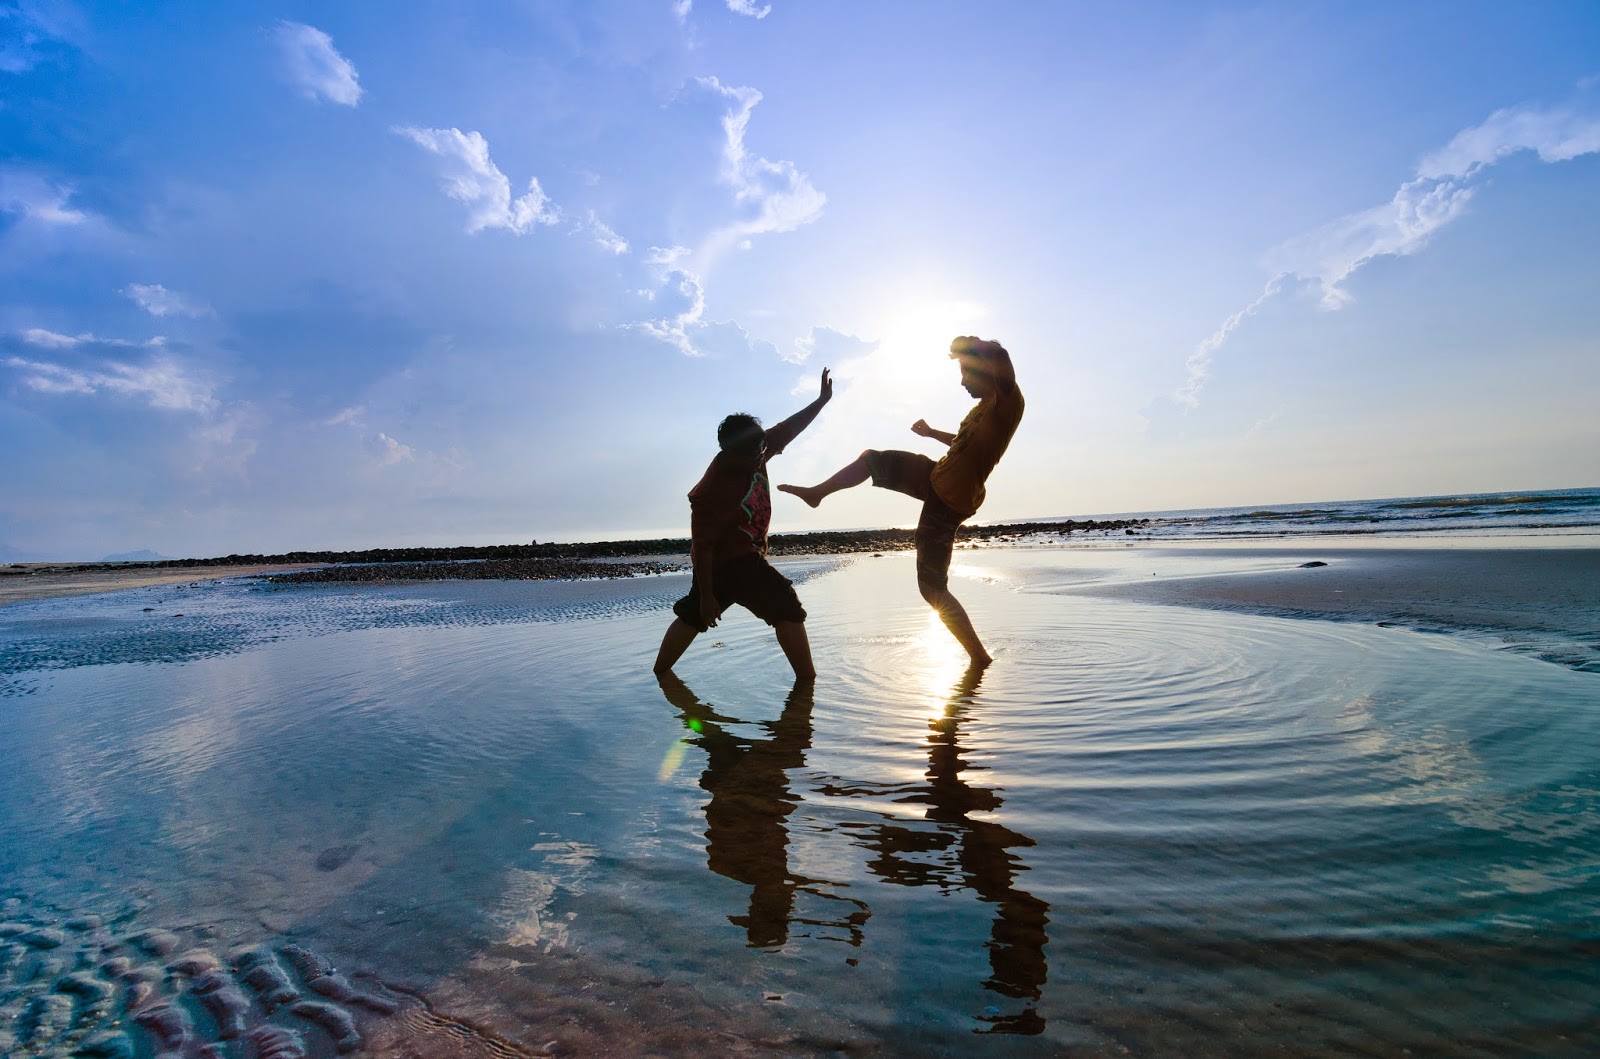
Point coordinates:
[(1537, 595), (54, 580)]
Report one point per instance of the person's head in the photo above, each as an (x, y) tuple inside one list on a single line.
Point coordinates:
[(740, 437), (981, 364)]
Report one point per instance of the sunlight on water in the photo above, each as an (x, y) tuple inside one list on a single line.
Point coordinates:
[(1155, 829)]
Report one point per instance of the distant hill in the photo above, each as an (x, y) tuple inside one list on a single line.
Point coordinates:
[(8, 554), (143, 555)]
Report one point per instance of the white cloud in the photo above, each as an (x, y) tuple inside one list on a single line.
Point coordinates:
[(681, 9), (160, 382), (1436, 196), (679, 297), (316, 65), (471, 177), (1400, 227), (605, 236), (776, 195), (745, 7), (389, 451), (223, 444), (346, 417), (157, 300), (828, 346), (1555, 135), (1199, 363), (37, 199), (38, 336)]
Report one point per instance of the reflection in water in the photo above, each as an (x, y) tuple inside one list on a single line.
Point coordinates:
[(975, 854), (747, 839)]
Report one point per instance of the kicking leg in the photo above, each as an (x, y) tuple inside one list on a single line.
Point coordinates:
[(796, 648), (852, 474)]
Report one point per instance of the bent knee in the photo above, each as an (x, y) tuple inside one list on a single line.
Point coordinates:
[(935, 595)]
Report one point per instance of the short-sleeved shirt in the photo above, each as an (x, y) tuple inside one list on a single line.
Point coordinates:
[(979, 443), (731, 509)]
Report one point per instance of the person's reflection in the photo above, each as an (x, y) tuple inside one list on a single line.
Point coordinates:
[(979, 852), (746, 836)]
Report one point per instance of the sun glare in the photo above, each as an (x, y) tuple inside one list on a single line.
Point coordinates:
[(942, 661)]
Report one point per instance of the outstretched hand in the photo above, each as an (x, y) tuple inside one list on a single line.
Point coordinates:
[(922, 429), (827, 388)]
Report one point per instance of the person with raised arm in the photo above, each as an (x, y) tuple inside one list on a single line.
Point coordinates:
[(951, 489), (730, 510)]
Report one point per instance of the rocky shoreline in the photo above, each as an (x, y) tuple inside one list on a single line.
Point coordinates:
[(568, 561)]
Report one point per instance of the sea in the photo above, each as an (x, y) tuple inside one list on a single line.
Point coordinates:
[(243, 819), (1545, 511)]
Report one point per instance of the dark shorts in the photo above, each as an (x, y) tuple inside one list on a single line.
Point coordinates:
[(749, 581), (911, 473)]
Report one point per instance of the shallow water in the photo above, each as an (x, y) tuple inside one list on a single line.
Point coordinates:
[(1166, 830)]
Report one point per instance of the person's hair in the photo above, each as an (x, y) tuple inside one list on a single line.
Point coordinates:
[(737, 430), (984, 357), (977, 353)]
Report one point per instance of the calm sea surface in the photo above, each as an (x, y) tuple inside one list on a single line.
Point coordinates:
[(1477, 513), (1157, 829)]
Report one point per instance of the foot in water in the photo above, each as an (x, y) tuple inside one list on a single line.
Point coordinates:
[(809, 494)]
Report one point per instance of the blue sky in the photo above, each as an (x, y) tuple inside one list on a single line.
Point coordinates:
[(337, 275)]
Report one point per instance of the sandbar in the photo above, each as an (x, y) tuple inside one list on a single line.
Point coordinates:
[(1546, 599), (26, 581)]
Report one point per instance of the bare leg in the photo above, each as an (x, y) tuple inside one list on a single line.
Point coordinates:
[(796, 648), (954, 616), (852, 474), (680, 634)]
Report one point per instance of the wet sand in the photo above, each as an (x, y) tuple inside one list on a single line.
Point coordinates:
[(24, 581), (1544, 598)]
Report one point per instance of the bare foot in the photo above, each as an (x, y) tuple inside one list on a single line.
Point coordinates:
[(809, 494)]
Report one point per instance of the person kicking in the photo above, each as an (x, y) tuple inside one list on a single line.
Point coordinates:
[(951, 490), (730, 509)]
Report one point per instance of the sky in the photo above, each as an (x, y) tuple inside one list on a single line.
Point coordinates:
[(283, 276)]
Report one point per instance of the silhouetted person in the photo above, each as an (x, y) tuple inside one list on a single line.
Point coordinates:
[(951, 490), (730, 509)]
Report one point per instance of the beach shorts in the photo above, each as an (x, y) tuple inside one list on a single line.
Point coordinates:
[(911, 473), (749, 581)]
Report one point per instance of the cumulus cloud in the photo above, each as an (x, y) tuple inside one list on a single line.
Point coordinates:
[(471, 177), (1436, 195), (160, 382), (316, 66), (679, 299), (157, 300), (35, 198), (775, 196)]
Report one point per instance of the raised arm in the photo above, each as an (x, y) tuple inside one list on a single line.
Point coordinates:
[(780, 434), (921, 427)]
